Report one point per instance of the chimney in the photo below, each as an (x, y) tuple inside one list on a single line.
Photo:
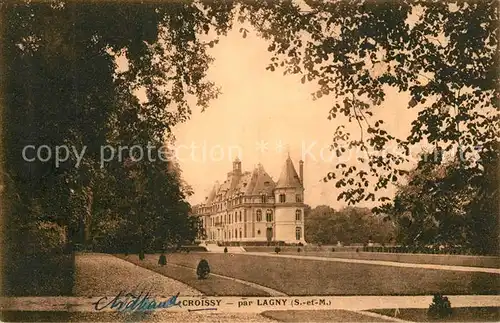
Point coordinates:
[(301, 171)]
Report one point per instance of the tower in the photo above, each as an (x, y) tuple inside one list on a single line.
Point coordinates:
[(237, 166), (289, 197)]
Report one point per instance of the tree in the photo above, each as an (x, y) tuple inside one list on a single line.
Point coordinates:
[(62, 87), (349, 225), (443, 54), (450, 205)]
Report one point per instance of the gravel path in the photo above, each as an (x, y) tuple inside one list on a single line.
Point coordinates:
[(105, 275)]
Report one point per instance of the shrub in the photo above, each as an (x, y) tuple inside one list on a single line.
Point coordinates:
[(440, 307), (141, 255), (357, 249), (225, 249), (333, 249), (299, 250), (300, 244), (277, 250), (203, 269), (163, 260)]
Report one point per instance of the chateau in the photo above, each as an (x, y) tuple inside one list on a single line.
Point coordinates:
[(250, 206)]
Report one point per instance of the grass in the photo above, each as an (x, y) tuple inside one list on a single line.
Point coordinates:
[(212, 286), (316, 277), (436, 259), (460, 314), (320, 316)]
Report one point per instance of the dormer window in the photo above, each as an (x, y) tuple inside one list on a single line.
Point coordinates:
[(298, 198), (282, 198), (263, 199)]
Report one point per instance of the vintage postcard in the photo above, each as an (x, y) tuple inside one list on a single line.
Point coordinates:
[(249, 161)]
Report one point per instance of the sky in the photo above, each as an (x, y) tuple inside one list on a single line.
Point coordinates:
[(258, 106)]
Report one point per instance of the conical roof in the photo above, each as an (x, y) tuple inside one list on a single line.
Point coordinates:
[(289, 177)]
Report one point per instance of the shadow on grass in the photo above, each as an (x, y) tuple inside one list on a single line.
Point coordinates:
[(48, 275), (60, 316)]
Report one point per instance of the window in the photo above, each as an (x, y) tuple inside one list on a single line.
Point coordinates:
[(269, 215), (282, 198), (241, 219), (245, 215), (263, 199), (298, 215), (298, 233), (241, 234), (298, 198), (259, 215), (258, 231)]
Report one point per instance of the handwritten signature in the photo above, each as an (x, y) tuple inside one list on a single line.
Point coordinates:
[(128, 302)]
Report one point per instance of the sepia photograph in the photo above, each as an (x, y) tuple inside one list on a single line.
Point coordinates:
[(249, 161)]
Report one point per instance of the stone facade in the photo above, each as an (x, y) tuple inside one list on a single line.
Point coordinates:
[(250, 206)]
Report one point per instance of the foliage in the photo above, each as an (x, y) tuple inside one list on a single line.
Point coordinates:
[(277, 250), (447, 204), (324, 225), (225, 249), (203, 269), (440, 307), (442, 54), (63, 87)]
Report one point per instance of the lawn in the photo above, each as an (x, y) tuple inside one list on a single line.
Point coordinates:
[(212, 286), (460, 314), (316, 277), (320, 316), (450, 260)]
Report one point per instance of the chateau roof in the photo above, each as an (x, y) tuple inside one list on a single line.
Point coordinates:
[(243, 183), (264, 184), (213, 192), (256, 182), (289, 177)]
